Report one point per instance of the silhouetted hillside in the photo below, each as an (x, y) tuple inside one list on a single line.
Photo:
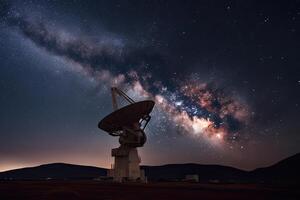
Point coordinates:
[(55, 171), (205, 172), (285, 171)]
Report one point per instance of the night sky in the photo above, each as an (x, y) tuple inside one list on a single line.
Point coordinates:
[(225, 76)]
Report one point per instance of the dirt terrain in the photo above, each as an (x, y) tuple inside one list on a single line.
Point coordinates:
[(100, 190)]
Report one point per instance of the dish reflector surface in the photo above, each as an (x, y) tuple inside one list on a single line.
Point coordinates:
[(126, 116)]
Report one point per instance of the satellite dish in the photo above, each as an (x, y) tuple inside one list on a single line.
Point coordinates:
[(125, 116), (128, 123)]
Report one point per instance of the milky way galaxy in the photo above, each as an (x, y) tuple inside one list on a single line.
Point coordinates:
[(199, 108)]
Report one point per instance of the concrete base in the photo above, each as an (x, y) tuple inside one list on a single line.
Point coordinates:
[(126, 167)]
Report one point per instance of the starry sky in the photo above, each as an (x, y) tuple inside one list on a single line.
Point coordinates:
[(224, 75)]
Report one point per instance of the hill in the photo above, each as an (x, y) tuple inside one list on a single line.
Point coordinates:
[(54, 171), (206, 173), (287, 170)]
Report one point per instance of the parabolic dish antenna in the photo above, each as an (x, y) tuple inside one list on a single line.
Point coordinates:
[(129, 124), (126, 116)]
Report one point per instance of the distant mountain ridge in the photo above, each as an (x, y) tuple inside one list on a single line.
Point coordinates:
[(205, 172), (55, 171), (285, 171)]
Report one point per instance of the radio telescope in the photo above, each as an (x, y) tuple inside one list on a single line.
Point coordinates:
[(128, 123)]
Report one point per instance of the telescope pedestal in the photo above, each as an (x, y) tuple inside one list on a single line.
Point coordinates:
[(126, 166)]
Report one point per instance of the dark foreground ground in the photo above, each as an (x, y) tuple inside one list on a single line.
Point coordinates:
[(69, 190)]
